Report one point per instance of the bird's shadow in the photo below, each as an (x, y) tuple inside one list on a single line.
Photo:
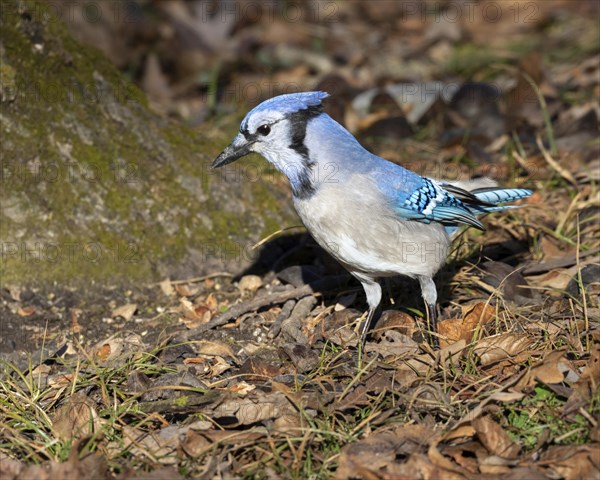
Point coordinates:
[(298, 260)]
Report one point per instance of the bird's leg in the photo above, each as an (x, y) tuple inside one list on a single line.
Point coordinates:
[(429, 293), (432, 320), (372, 318), (373, 292)]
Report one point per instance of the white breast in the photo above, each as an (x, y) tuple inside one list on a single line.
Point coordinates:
[(351, 222)]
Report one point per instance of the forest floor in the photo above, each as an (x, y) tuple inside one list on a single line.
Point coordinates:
[(257, 375)]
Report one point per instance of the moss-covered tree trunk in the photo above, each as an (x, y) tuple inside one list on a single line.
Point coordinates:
[(96, 187)]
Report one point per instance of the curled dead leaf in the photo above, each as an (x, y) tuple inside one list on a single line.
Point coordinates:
[(118, 347), (547, 371), (77, 418), (463, 328), (26, 311), (494, 438), (167, 287), (124, 311), (500, 347), (250, 283), (215, 348)]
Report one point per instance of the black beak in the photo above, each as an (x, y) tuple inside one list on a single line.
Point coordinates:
[(239, 148)]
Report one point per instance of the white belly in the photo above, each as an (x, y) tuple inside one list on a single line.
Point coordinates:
[(358, 231)]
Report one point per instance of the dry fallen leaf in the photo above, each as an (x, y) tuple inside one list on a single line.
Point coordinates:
[(118, 347), (572, 462), (241, 388), (500, 347), (194, 315), (216, 367), (547, 371), (215, 348), (124, 311), (250, 283), (26, 311), (185, 290), (77, 418), (167, 287), (392, 342), (254, 408), (456, 329), (494, 438)]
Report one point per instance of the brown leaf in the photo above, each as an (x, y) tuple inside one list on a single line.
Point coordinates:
[(303, 358), (103, 352), (215, 348), (233, 437), (26, 311), (572, 462), (194, 315), (14, 292), (257, 369), (124, 311), (90, 467), (76, 419), (462, 329), (500, 347), (546, 371), (167, 287), (241, 388), (461, 431), (156, 444), (401, 455), (478, 410), (195, 444), (212, 302), (393, 343), (184, 290), (254, 408), (395, 320), (215, 366), (118, 347), (494, 438), (478, 314), (250, 283)]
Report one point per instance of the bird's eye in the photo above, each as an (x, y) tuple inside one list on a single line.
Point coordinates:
[(264, 130)]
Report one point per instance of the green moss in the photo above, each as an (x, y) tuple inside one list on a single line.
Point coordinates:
[(120, 192)]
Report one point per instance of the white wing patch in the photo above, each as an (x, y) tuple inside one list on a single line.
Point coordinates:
[(440, 195)]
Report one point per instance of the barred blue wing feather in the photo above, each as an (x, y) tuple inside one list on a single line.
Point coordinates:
[(432, 203), (495, 195), (450, 205)]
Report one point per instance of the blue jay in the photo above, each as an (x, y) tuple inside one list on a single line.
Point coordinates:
[(373, 216)]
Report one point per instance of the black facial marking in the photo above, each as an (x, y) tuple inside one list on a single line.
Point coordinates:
[(306, 188), (298, 121)]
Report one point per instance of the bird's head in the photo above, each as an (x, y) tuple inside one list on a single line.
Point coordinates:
[(276, 129)]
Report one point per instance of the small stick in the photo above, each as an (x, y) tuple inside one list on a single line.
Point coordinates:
[(255, 304)]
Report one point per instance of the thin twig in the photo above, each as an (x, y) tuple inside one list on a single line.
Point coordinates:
[(197, 279), (255, 304)]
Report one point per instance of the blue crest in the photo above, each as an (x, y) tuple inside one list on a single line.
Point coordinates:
[(288, 103)]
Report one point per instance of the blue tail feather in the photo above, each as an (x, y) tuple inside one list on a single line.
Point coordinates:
[(495, 195)]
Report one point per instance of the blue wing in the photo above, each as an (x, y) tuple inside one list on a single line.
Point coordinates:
[(418, 198), (430, 201), (435, 202)]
